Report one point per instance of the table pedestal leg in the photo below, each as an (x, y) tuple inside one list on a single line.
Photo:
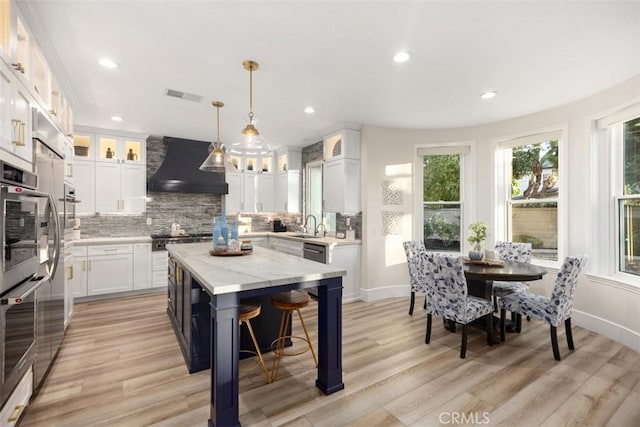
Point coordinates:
[(330, 336), (224, 361)]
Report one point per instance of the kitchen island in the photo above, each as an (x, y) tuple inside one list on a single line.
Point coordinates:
[(227, 280)]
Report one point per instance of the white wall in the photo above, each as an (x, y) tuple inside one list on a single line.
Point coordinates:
[(604, 306)]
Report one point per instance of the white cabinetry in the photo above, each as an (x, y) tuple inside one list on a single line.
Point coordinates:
[(160, 268), (286, 246), (15, 116), (262, 241), (18, 401), (341, 172), (288, 180), (113, 173), (68, 285), (249, 192), (110, 269), (79, 270), (347, 257), (142, 266), (85, 185)]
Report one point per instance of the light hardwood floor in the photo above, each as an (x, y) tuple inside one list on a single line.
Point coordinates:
[(120, 365)]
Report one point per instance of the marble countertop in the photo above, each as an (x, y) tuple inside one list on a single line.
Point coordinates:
[(112, 240), (262, 268)]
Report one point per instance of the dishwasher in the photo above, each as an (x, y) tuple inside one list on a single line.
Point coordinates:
[(317, 253)]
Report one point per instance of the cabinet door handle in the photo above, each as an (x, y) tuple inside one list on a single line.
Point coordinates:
[(84, 265), (53, 112), (18, 132), (89, 264), (18, 66), (286, 206), (70, 277), (16, 413)]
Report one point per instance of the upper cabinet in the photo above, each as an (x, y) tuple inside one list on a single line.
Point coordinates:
[(15, 116), (20, 50), (344, 144), (341, 172), (288, 180), (110, 173)]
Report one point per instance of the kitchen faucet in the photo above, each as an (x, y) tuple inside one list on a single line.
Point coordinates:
[(324, 229), (315, 224)]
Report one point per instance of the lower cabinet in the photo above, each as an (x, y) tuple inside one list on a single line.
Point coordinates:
[(142, 266), (348, 257), (18, 401), (159, 263), (110, 269)]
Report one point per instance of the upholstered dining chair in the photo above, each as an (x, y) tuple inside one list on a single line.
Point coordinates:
[(511, 251), (552, 310), (447, 296), (417, 274)]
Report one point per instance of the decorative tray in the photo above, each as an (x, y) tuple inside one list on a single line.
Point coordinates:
[(487, 262), (228, 253)]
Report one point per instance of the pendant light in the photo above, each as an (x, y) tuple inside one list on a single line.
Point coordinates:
[(216, 160), (251, 142)]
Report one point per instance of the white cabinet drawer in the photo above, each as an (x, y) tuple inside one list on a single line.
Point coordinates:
[(18, 401), (160, 261), (160, 279), (79, 251), (110, 250)]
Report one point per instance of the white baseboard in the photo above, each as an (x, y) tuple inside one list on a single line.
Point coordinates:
[(616, 332), (384, 292)]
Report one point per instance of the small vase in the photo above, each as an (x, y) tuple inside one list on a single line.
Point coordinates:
[(476, 253)]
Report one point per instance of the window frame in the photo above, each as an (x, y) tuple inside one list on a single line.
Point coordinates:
[(608, 192), (467, 152), (503, 167)]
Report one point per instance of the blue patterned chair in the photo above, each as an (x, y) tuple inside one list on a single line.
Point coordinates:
[(552, 310), (447, 296), (417, 274), (511, 251)]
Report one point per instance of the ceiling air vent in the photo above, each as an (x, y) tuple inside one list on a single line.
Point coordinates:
[(184, 95)]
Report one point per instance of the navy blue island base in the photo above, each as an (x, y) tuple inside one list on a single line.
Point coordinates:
[(225, 345)]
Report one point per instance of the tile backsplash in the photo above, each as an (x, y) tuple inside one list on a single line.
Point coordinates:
[(194, 212)]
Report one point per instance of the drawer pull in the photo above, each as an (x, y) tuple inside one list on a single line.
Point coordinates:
[(111, 250), (16, 413)]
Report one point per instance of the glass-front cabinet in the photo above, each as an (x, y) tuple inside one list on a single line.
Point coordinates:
[(105, 148), (5, 27)]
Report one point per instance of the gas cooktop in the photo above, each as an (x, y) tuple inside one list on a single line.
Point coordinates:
[(160, 241)]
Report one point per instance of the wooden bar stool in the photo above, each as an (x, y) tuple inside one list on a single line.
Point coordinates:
[(249, 310), (289, 302)]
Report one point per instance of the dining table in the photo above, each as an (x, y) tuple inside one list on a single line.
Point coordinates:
[(480, 275)]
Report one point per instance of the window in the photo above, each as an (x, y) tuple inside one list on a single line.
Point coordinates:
[(531, 183), (444, 201), (629, 199), (441, 202)]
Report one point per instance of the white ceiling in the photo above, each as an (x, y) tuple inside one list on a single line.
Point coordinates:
[(333, 55)]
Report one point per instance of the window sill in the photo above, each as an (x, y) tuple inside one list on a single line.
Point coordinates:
[(618, 282)]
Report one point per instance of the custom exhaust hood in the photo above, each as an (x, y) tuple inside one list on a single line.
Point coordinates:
[(179, 171)]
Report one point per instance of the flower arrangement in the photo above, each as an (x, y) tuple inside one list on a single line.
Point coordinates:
[(479, 233)]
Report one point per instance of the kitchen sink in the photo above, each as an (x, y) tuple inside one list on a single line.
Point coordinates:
[(306, 236)]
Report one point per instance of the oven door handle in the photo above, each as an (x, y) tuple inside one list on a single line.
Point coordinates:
[(18, 296), (56, 234), (21, 191)]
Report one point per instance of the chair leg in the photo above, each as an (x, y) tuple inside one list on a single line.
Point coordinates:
[(285, 320), (413, 301), (495, 304), (306, 334), (490, 329), (425, 302), (463, 347), (554, 342), (567, 327), (258, 352), (503, 315), (518, 317), (427, 338)]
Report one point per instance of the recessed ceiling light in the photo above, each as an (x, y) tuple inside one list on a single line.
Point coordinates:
[(309, 110), (116, 118), (107, 63), (489, 95), (402, 56)]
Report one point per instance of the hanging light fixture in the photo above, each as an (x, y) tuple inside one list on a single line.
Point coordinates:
[(251, 142), (216, 160)]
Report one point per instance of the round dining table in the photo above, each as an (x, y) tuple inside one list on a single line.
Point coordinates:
[(480, 276)]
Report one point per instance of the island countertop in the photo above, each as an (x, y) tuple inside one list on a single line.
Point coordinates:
[(263, 268)]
